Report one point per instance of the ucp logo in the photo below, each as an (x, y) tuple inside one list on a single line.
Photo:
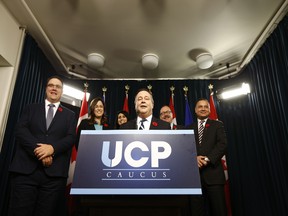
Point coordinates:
[(156, 155)]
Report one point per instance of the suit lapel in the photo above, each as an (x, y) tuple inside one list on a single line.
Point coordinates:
[(153, 124), (205, 130), (43, 116)]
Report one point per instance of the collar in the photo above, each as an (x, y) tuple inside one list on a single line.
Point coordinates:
[(56, 104), (149, 119), (199, 120)]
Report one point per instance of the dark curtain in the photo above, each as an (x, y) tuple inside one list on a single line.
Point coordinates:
[(29, 88), (256, 124), (115, 94), (257, 132)]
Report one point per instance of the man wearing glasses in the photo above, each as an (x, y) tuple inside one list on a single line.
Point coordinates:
[(45, 135), (167, 115)]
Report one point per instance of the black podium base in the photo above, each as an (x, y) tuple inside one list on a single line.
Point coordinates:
[(133, 205)]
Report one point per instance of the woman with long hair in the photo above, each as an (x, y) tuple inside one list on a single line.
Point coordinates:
[(121, 118), (97, 120)]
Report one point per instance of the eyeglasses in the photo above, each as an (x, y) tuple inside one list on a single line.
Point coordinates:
[(166, 112), (54, 86)]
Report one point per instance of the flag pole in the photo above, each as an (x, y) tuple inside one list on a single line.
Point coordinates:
[(125, 105), (188, 114), (171, 105)]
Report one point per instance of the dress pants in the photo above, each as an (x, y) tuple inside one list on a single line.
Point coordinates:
[(37, 194), (210, 203)]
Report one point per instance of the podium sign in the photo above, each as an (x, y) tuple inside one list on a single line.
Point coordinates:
[(136, 162)]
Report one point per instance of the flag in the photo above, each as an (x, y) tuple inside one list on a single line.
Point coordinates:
[(213, 115), (171, 106), (188, 114), (83, 115), (125, 105)]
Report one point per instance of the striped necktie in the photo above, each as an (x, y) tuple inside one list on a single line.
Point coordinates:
[(201, 130), (49, 115), (142, 124)]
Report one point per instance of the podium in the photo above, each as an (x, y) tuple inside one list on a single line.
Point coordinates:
[(128, 172), (131, 205)]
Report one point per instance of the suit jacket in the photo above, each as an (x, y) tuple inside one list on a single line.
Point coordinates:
[(214, 146), (156, 124), (84, 125), (31, 129)]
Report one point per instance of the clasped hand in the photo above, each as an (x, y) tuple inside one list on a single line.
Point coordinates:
[(201, 161), (44, 153)]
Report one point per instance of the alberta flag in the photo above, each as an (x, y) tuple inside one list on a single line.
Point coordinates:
[(188, 114)]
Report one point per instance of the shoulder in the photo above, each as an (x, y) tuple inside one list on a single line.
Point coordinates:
[(84, 122), (62, 108), (160, 123), (34, 108), (129, 125), (214, 122)]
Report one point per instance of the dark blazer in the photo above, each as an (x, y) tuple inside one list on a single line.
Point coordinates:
[(85, 125), (31, 129), (214, 146), (156, 124)]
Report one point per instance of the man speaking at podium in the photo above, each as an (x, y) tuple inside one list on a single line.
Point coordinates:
[(144, 104)]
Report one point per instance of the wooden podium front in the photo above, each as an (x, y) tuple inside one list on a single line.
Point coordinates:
[(134, 205)]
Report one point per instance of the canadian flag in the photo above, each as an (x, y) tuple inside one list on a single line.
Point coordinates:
[(213, 115), (125, 105), (171, 105), (83, 115)]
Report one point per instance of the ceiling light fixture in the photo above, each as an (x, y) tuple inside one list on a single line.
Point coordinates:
[(150, 61), (204, 60), (95, 60)]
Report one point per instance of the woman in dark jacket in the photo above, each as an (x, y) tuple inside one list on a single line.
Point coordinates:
[(97, 119), (121, 118)]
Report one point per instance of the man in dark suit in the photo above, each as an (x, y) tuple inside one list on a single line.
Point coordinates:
[(45, 135), (144, 104), (211, 144)]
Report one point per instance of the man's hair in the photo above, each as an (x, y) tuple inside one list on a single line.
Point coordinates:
[(201, 99), (164, 106), (54, 77), (144, 89)]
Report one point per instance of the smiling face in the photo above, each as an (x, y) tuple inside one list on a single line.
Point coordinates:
[(202, 109), (166, 114), (144, 104), (99, 109), (121, 119), (54, 90)]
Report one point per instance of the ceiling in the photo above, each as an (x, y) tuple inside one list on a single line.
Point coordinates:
[(124, 30)]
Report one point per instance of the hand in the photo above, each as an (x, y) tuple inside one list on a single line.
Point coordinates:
[(43, 151), (47, 161), (201, 161)]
